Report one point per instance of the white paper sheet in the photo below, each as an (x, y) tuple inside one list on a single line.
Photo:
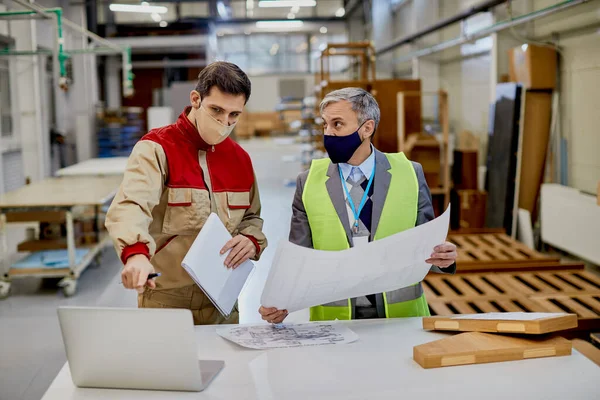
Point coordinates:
[(302, 277), (510, 316), (206, 266), (262, 337)]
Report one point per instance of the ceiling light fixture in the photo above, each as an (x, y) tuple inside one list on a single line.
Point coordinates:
[(291, 16), (156, 17), (142, 8), (295, 9), (340, 12), (163, 24), (286, 3), (222, 10), (323, 30), (279, 24), (274, 49)]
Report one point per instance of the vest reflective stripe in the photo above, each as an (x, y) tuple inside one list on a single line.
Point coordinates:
[(399, 213)]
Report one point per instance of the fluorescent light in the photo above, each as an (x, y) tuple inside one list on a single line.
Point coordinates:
[(323, 30), (340, 12), (286, 3), (279, 24), (221, 9), (138, 8), (163, 24), (156, 17)]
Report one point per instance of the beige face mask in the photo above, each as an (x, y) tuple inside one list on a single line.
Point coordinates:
[(212, 131)]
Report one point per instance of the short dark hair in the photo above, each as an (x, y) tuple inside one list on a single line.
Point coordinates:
[(228, 77)]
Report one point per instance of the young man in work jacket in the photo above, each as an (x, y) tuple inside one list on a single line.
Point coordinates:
[(359, 196), (175, 177)]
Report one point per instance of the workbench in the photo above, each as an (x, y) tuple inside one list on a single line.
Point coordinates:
[(378, 366), (108, 166), (56, 200)]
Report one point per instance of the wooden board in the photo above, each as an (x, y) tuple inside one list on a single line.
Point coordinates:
[(516, 325), (536, 132), (588, 350), (62, 192), (35, 216), (468, 210), (479, 348), (496, 251), (575, 292)]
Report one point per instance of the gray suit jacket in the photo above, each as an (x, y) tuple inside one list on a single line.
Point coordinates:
[(300, 230)]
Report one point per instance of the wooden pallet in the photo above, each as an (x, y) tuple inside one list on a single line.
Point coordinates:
[(499, 252), (576, 292)]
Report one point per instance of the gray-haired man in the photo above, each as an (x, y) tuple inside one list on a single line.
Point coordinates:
[(356, 196)]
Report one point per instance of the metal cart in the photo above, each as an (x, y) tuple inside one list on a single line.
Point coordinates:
[(56, 200)]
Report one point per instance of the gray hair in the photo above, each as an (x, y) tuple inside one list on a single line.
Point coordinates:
[(363, 103)]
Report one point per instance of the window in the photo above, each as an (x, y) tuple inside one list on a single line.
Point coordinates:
[(260, 54)]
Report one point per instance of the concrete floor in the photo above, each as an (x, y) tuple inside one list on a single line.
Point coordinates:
[(31, 347)]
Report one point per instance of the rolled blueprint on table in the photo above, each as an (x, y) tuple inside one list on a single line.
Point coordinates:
[(301, 277)]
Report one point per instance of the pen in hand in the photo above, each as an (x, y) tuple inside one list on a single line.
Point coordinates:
[(150, 276)]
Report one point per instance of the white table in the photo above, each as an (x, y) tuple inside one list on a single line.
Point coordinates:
[(96, 167), (378, 366)]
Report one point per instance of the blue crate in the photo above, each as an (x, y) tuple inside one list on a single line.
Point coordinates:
[(50, 259)]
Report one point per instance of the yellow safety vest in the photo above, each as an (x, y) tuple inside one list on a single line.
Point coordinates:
[(399, 213)]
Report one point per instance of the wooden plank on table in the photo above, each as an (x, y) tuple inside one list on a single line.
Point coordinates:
[(477, 348), (516, 322)]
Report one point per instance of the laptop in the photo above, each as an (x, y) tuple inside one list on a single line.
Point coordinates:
[(134, 348)]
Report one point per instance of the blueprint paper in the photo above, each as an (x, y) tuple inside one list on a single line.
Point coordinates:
[(261, 337), (510, 316), (206, 266), (302, 277)]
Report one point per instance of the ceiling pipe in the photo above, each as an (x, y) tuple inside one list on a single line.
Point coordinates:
[(499, 26), (485, 6)]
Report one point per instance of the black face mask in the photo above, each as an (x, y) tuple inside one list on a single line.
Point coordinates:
[(341, 148)]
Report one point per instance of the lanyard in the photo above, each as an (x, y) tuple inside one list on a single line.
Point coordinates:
[(356, 212)]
